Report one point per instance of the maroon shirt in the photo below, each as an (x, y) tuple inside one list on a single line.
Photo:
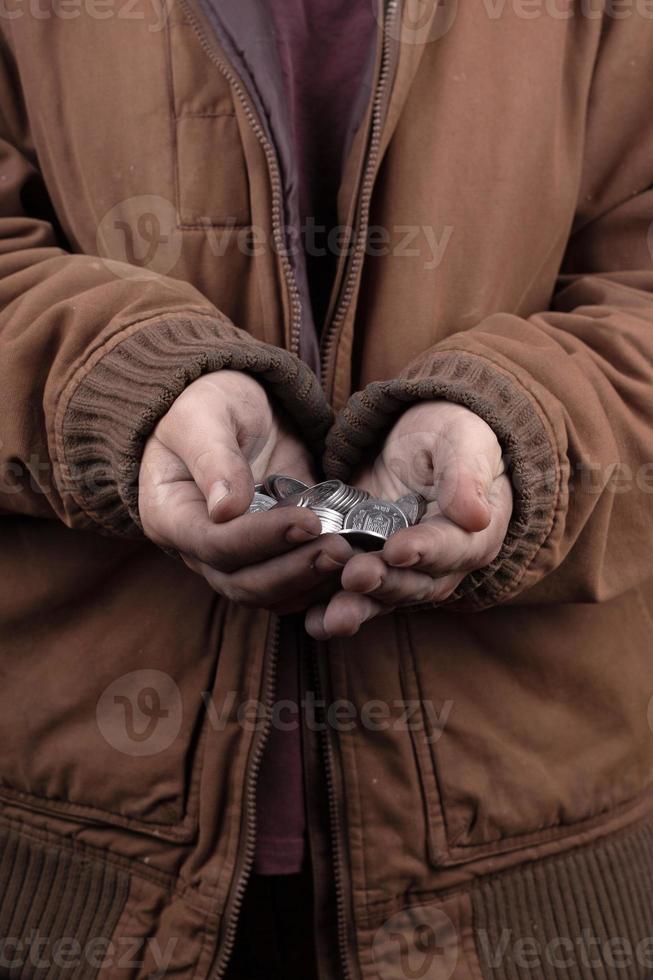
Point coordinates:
[(324, 46)]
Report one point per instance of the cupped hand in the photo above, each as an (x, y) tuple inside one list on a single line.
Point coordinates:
[(220, 437), (453, 458)]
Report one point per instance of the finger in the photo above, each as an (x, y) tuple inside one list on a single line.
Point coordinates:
[(285, 577), (314, 621), (178, 519), (438, 546), (290, 603), (343, 615), (370, 575), (346, 612), (206, 443), (435, 546), (317, 595)]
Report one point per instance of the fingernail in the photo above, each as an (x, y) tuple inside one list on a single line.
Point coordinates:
[(217, 493), (326, 563), (300, 535), (406, 563), (316, 624)]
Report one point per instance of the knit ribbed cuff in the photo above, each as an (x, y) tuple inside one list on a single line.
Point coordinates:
[(119, 400), (509, 410)]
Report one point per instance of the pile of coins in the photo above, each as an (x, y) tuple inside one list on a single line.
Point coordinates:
[(365, 521)]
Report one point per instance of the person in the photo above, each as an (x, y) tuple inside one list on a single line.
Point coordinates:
[(408, 246)]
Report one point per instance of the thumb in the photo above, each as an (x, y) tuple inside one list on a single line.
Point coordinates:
[(225, 478), (466, 461), (209, 449), (451, 456), (462, 489)]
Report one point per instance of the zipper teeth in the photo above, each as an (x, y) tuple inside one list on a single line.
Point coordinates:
[(250, 802), (249, 850), (275, 178), (365, 197), (334, 825), (327, 345)]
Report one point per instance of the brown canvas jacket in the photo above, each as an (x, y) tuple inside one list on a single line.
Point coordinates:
[(505, 799)]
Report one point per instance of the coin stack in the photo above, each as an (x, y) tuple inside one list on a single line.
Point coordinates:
[(365, 521)]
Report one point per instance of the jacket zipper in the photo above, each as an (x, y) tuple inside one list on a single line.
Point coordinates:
[(243, 873), (329, 337), (332, 330), (327, 344), (335, 826), (272, 647), (273, 168)]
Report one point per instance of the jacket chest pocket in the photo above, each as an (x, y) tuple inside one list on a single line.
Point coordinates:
[(210, 172)]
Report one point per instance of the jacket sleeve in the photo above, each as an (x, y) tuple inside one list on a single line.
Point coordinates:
[(568, 391), (92, 355)]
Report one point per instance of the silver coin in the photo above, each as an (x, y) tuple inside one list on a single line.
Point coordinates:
[(377, 516), (261, 502), (330, 528), (348, 497), (329, 513), (341, 497), (331, 520), (294, 500), (279, 487), (367, 540), (413, 506), (322, 494)]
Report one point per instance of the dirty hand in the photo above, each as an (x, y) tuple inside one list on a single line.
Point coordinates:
[(452, 457), (220, 437)]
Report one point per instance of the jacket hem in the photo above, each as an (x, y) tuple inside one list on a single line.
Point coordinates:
[(69, 901), (590, 910), (587, 912)]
